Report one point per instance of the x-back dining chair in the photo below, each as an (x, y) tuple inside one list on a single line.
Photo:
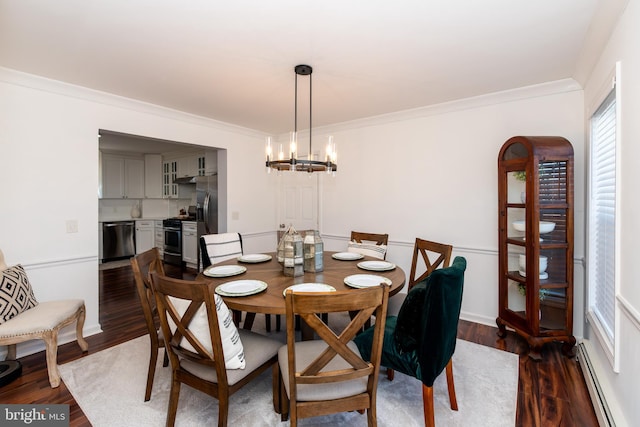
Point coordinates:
[(369, 244), (328, 375), (427, 256), (206, 350), (421, 340), (216, 248), (142, 264)]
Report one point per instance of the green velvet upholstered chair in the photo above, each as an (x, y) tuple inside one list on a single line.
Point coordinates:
[(421, 340)]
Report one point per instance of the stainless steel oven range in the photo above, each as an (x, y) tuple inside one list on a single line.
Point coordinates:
[(172, 241)]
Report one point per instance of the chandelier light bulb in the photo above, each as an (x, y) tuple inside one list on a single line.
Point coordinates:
[(268, 148)]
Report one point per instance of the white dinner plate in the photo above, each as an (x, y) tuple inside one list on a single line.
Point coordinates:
[(347, 256), (310, 287), (224, 270), (376, 265), (365, 280), (240, 288), (254, 258), (543, 276)]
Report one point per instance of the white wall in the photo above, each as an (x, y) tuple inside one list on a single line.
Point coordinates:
[(49, 174), (621, 389), (432, 173), (427, 173)]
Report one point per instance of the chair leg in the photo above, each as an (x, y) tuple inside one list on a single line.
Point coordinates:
[(153, 357), (267, 322), (451, 386), (390, 374), (283, 398), (174, 396), (278, 322), (248, 321), (325, 318), (84, 346), (427, 400), (223, 409), (275, 385), (237, 317), (165, 362), (372, 417), (51, 344), (11, 352)]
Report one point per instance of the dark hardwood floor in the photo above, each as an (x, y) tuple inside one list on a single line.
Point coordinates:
[(551, 392)]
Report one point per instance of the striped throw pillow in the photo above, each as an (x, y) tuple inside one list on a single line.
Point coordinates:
[(368, 249), (199, 326)]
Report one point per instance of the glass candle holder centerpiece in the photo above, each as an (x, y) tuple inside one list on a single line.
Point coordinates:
[(292, 253), (313, 252)]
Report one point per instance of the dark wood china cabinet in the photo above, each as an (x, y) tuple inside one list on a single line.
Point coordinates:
[(535, 223)]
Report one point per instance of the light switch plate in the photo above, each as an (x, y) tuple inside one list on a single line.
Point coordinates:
[(72, 226)]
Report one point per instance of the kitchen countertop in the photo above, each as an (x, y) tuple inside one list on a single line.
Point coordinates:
[(131, 219)]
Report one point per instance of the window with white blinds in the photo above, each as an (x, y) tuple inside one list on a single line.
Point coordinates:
[(602, 220)]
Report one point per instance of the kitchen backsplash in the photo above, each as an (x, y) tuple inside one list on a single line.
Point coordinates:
[(120, 209)]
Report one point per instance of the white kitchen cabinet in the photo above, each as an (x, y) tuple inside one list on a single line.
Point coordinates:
[(210, 162), (169, 173), (190, 243), (159, 236), (191, 165), (201, 162), (145, 235), (188, 166), (153, 176), (122, 177)]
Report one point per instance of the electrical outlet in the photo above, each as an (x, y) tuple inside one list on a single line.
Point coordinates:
[(72, 226)]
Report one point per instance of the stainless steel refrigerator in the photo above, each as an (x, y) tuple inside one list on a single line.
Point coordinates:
[(206, 207)]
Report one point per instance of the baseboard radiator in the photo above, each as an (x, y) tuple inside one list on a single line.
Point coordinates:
[(605, 418)]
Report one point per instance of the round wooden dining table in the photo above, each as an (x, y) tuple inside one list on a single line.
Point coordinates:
[(271, 300)]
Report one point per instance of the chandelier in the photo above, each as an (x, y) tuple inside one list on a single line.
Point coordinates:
[(293, 163)]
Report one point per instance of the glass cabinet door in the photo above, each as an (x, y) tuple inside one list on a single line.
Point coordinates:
[(554, 244)]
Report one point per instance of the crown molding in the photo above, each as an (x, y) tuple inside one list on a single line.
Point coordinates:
[(44, 84), (495, 98)]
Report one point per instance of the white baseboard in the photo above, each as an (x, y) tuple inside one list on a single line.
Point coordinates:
[(598, 398)]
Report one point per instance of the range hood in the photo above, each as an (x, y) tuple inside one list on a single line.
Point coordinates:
[(190, 179), (185, 180)]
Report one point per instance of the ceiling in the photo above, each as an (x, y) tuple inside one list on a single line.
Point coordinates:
[(233, 60)]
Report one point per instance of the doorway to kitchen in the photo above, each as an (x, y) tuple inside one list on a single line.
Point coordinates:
[(145, 180)]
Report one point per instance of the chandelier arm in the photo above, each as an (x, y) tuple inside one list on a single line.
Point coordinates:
[(310, 116), (295, 103)]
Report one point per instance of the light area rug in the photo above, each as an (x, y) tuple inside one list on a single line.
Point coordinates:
[(109, 387)]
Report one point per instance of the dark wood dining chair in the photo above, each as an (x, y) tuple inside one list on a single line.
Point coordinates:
[(141, 265), (197, 353), (421, 340), (328, 375), (216, 248), (427, 256), (370, 244)]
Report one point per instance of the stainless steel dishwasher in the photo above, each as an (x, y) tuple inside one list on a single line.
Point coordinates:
[(118, 240)]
